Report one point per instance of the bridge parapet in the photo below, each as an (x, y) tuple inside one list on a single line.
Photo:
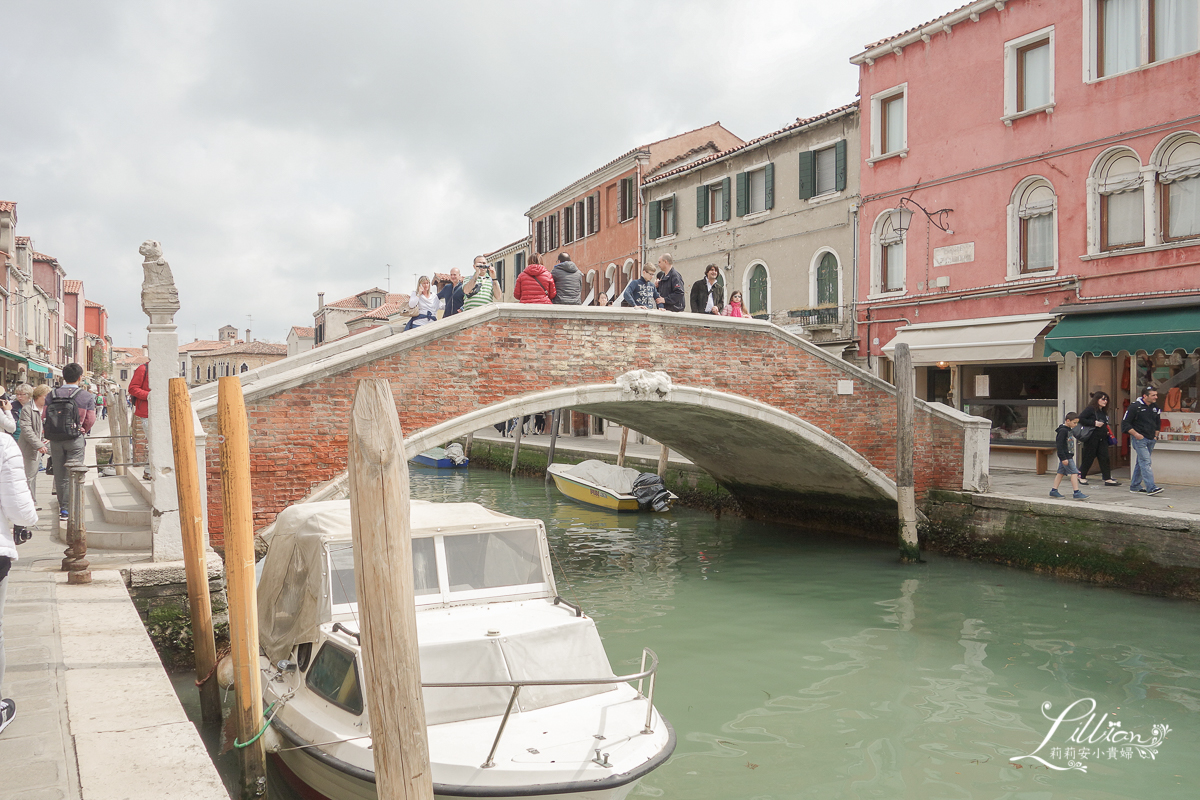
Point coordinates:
[(755, 406)]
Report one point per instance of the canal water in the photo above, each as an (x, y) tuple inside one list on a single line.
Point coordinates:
[(800, 665)]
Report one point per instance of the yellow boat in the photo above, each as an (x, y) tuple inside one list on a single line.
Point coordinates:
[(589, 492)]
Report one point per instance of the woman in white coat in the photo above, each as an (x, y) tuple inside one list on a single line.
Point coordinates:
[(16, 508)]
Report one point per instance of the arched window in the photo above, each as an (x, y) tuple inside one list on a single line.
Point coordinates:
[(1178, 166), (887, 256), (827, 280), (245, 368), (1033, 228), (758, 291), (610, 282), (1118, 185)]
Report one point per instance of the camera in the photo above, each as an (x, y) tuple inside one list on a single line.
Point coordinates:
[(8, 397), (21, 534)]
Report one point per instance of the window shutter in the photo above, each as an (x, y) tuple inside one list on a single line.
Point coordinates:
[(596, 212), (807, 170), (701, 206), (621, 216), (743, 189), (541, 230), (769, 180), (725, 200), (839, 159), (655, 226), (675, 215)]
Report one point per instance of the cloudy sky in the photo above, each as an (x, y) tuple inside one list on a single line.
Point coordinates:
[(278, 149)]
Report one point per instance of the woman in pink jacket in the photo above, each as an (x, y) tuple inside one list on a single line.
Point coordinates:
[(534, 284)]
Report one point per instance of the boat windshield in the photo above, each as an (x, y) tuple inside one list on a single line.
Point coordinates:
[(341, 557), (491, 560)]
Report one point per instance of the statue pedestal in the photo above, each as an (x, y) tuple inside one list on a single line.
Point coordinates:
[(163, 347)]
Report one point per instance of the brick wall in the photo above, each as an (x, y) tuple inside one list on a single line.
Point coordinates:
[(298, 435)]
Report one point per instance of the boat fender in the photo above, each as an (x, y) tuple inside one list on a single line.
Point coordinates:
[(272, 741), (225, 672)]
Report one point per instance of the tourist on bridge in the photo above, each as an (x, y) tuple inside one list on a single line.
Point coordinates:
[(70, 414), (568, 282), (451, 294), (707, 295), (670, 283), (16, 508), (482, 288), (1096, 436), (1142, 423), (32, 442), (736, 307), (426, 303), (534, 284), (641, 292), (1065, 442)]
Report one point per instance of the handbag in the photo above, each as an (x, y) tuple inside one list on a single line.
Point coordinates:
[(406, 311), (1084, 433)]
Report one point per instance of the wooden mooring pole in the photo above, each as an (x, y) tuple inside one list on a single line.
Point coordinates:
[(380, 525), (187, 482), (663, 454), (238, 514), (517, 444), (555, 420), (906, 498), (624, 441)]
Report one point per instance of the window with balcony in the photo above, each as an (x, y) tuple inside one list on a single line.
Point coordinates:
[(758, 291)]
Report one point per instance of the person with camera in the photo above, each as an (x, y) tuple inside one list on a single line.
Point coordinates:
[(17, 512), (482, 288), (32, 442)]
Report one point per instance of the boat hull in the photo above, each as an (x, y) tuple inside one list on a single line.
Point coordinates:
[(590, 494), (436, 463)]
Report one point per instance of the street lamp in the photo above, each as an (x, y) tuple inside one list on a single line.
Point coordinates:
[(901, 216)]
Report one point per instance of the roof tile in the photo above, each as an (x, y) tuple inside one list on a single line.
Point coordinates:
[(72, 287)]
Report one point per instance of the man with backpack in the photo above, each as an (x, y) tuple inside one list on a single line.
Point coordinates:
[(69, 416)]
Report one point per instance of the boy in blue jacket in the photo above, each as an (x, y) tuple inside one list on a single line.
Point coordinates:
[(1065, 441)]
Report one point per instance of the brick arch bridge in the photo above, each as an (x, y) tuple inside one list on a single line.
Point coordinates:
[(756, 407)]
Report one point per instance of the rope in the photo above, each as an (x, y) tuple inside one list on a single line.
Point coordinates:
[(261, 730)]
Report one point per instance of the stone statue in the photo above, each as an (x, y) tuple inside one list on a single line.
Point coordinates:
[(158, 286)]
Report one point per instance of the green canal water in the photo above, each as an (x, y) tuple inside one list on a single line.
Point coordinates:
[(801, 665)]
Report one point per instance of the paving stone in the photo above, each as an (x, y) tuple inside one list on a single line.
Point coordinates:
[(35, 774)]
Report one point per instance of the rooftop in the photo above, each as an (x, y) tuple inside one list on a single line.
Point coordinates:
[(303, 332), (43, 257), (925, 31), (90, 303), (72, 287)]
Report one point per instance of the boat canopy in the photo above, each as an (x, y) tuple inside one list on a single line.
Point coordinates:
[(610, 476), (309, 567)]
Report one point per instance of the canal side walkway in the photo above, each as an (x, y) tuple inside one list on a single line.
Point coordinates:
[(97, 717)]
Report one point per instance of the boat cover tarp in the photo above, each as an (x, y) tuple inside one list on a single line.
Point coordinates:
[(454, 452), (610, 476)]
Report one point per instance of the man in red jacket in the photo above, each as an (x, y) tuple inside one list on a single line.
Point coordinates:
[(139, 390)]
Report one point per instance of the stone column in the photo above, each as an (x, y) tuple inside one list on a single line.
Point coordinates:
[(160, 301)]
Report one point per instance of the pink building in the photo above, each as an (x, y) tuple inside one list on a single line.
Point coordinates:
[(1055, 146)]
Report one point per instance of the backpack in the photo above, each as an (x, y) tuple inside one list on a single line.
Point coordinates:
[(62, 417)]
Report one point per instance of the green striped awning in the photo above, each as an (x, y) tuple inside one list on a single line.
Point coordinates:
[(1166, 329), (11, 356), (36, 367)]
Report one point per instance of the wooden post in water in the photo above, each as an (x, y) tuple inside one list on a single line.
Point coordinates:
[(239, 571), (624, 441), (905, 491), (380, 525), (517, 444), (187, 482), (469, 442), (662, 460), (555, 420)]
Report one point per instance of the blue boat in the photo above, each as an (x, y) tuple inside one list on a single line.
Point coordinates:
[(442, 458)]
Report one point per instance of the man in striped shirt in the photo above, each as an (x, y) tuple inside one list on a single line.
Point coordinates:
[(482, 287)]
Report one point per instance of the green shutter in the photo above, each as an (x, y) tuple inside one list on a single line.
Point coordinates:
[(701, 206), (743, 189), (770, 187), (807, 169), (655, 226), (839, 158), (725, 200)]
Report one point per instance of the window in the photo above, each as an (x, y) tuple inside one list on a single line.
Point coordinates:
[(183, 369), (1028, 74), (1131, 33), (758, 291), (662, 218), (827, 281), (499, 265), (197, 374), (518, 267), (887, 257), (712, 203), (568, 224), (334, 676), (1033, 228), (626, 202), (1179, 187), (539, 239), (245, 368), (1118, 184), (823, 170), (490, 560), (593, 212), (376, 300), (756, 190)]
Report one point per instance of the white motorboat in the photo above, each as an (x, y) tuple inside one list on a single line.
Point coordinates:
[(520, 699)]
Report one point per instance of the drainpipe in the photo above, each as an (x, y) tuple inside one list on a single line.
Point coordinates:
[(854, 279)]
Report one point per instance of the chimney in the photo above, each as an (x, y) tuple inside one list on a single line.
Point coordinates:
[(248, 339), (320, 300)]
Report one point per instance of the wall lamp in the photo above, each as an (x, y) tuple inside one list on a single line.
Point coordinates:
[(901, 216)]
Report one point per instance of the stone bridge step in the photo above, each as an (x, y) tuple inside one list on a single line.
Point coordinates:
[(117, 514)]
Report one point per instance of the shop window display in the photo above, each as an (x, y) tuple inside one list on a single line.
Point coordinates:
[(1177, 377), (1021, 401)]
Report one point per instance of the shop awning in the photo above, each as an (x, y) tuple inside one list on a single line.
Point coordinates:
[(11, 356), (35, 366), (1166, 329), (989, 339)]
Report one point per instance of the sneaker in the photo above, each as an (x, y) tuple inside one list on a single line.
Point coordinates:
[(1155, 490), (1055, 493), (63, 514), (8, 710), (1078, 495), (1111, 482)]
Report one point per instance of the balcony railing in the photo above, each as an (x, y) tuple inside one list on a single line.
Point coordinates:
[(824, 317)]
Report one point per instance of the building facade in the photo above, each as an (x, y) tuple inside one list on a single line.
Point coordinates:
[(234, 358), (510, 260), (776, 216), (597, 219), (329, 320), (1029, 164), (299, 340)]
